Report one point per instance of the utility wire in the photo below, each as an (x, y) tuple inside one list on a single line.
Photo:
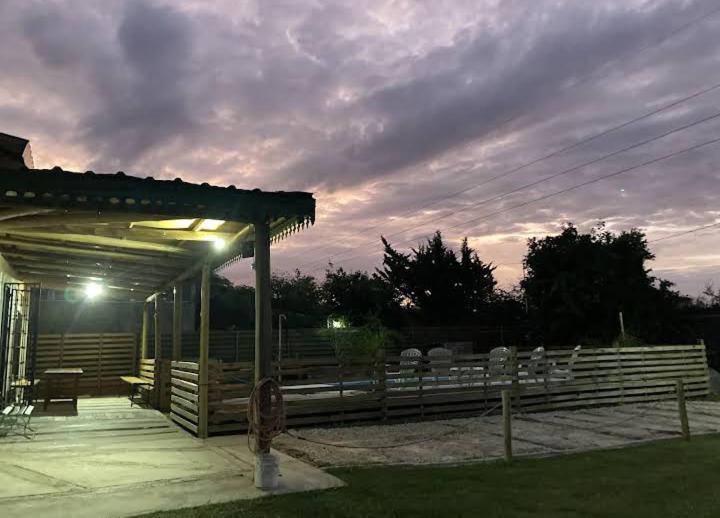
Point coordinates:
[(537, 182), (575, 187), (434, 201), (685, 232)]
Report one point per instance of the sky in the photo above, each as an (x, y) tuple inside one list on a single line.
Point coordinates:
[(403, 117)]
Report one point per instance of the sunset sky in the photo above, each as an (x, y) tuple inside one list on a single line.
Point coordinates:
[(397, 115)]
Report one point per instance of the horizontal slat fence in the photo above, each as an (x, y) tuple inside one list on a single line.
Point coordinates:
[(102, 357), (326, 390), (239, 345), (184, 395)]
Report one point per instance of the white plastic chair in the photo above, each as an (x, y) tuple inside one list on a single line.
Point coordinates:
[(537, 365), (440, 360), (409, 362), (499, 361)]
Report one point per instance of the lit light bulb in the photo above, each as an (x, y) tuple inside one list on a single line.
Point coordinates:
[(219, 244), (93, 290)]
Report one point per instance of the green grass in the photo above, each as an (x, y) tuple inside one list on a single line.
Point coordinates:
[(663, 479)]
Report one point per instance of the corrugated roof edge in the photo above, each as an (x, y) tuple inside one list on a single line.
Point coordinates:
[(119, 191)]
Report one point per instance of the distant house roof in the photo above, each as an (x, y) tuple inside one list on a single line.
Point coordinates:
[(64, 228)]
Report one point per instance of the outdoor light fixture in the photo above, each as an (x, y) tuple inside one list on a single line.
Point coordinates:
[(93, 290), (219, 244)]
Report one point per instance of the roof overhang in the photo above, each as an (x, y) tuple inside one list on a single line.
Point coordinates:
[(135, 236)]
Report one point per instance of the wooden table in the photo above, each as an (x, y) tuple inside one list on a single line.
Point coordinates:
[(61, 384)]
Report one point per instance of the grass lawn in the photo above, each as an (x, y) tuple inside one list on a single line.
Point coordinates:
[(663, 479)]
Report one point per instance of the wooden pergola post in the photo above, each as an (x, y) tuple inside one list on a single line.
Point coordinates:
[(177, 323), (156, 326), (263, 321), (144, 332), (204, 351)]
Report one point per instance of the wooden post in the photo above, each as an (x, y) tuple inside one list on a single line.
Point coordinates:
[(156, 326), (515, 366), (622, 325), (177, 323), (682, 410), (507, 424), (204, 352), (144, 332), (380, 365), (263, 321)]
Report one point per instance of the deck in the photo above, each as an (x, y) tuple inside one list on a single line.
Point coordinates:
[(108, 459)]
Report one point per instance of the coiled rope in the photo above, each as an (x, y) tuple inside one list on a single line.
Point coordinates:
[(264, 426)]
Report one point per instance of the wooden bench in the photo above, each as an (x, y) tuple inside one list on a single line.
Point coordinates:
[(14, 413), (137, 384)]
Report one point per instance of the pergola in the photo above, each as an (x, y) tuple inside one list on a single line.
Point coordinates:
[(141, 237)]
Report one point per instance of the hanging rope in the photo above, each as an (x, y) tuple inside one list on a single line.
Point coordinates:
[(264, 426)]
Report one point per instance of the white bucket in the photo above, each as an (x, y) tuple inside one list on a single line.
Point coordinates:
[(266, 471)]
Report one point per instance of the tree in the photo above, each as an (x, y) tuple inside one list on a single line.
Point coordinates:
[(298, 297), (577, 283), (358, 298), (434, 283)]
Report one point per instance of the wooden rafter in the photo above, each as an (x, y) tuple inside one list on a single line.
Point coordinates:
[(93, 239)]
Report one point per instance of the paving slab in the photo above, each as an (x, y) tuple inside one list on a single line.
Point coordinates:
[(113, 461)]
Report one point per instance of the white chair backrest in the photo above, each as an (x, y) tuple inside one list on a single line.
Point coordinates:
[(409, 360), (537, 361), (499, 360), (440, 360)]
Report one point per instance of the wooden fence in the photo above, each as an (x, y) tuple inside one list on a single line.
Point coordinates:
[(239, 345), (102, 357), (325, 390), (184, 397)]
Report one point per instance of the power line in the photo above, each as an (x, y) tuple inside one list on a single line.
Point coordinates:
[(685, 232), (577, 186), (538, 182), (661, 40)]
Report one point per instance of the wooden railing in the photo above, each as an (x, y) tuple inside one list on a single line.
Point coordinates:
[(184, 397), (322, 391)]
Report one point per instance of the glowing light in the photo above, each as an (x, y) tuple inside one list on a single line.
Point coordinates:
[(219, 244), (93, 290), (210, 224)]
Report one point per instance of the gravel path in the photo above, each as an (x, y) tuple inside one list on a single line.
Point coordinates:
[(480, 438)]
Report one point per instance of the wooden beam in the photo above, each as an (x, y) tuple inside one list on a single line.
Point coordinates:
[(156, 334), (94, 271), (79, 283), (72, 218), (163, 234), (177, 322), (204, 353), (20, 212), (144, 332), (232, 247), (60, 262), (79, 251), (92, 239)]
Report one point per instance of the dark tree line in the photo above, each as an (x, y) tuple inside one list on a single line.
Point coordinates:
[(574, 286)]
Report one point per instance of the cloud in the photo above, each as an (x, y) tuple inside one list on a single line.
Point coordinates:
[(381, 108)]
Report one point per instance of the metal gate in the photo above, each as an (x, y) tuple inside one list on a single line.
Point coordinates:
[(18, 342)]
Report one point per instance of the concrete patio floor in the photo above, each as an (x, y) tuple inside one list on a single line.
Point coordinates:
[(475, 439), (110, 460)]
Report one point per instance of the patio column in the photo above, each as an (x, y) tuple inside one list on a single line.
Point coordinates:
[(204, 351), (263, 320), (144, 332), (157, 337), (177, 323)]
